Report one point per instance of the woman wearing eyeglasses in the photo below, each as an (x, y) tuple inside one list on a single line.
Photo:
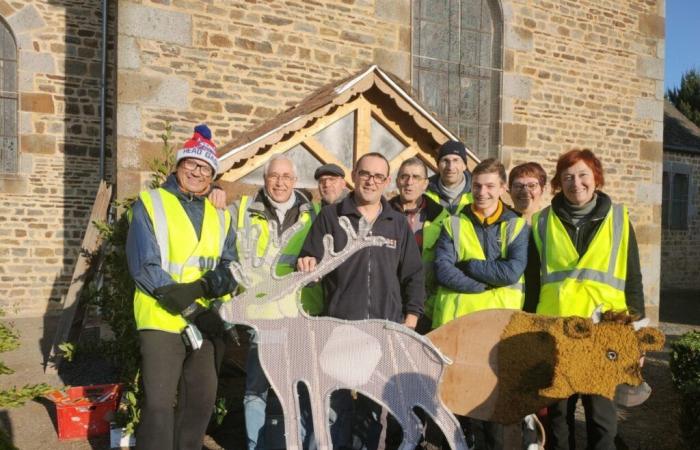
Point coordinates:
[(526, 184), (583, 254)]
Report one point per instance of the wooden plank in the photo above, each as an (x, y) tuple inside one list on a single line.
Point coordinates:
[(363, 129), (91, 242), (321, 152)]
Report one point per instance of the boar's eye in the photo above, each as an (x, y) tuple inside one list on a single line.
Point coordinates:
[(612, 355)]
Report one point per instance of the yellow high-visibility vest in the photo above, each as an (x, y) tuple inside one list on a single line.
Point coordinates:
[(450, 304), (464, 199), (431, 233), (573, 284), (184, 256), (312, 296)]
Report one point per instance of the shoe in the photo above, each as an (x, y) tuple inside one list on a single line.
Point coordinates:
[(628, 396)]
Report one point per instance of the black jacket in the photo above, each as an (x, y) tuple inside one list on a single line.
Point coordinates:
[(376, 282), (261, 206), (581, 235)]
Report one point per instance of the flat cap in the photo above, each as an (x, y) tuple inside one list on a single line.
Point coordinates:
[(329, 169)]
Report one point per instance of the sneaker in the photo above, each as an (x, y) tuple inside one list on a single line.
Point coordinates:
[(628, 396)]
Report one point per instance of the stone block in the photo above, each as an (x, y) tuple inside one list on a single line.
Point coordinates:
[(128, 53), (219, 40), (43, 144), (27, 18), (256, 46), (514, 135), (25, 123), (393, 10), (649, 108), (517, 38), (398, 63), (26, 163), (652, 25), (516, 86), (201, 104), (36, 102), (128, 120), (650, 67), (166, 91), (651, 151), (648, 193), (5, 9), (648, 234), (156, 24), (36, 62), (24, 41), (13, 184)]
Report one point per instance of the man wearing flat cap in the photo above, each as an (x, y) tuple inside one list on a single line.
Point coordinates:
[(178, 251), (331, 183)]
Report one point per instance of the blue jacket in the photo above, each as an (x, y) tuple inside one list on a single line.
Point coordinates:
[(143, 254), (476, 276)]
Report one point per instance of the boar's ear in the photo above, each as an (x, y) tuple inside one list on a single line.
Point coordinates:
[(577, 327), (650, 339)]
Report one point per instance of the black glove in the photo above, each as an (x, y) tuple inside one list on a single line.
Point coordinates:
[(209, 324), (175, 298), (218, 282)]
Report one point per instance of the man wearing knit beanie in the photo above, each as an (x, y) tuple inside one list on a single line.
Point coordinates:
[(170, 227), (451, 186)]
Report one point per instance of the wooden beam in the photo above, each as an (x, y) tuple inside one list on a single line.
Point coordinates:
[(363, 129), (297, 138), (314, 146), (409, 152), (91, 243)]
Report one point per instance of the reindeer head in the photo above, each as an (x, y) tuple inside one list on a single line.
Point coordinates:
[(267, 294)]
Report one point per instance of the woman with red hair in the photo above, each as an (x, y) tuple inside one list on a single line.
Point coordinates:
[(583, 254)]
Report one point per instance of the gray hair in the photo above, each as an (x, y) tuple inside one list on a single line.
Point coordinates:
[(414, 161), (281, 157)]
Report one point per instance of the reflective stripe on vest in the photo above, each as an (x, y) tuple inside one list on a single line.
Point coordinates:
[(431, 233), (312, 296), (573, 284), (450, 304), (184, 256)]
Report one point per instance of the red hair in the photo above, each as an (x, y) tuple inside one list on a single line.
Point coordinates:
[(570, 158), (528, 169)]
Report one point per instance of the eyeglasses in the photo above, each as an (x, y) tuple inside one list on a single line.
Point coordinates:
[(404, 177), (191, 165), (286, 178), (366, 176), (521, 187)]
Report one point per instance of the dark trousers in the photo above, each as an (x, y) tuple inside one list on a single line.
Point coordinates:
[(179, 391), (601, 423), (484, 435)]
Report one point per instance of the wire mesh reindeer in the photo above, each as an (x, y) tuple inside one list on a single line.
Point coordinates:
[(384, 361)]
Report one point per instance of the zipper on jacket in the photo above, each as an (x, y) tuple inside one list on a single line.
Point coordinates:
[(369, 280)]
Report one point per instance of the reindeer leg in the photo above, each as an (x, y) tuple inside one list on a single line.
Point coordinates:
[(412, 428), (449, 425), (289, 400)]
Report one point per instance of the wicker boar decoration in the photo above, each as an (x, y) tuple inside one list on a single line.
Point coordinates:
[(524, 362)]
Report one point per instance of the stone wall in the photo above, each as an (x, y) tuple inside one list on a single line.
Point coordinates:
[(44, 207), (680, 254), (584, 73)]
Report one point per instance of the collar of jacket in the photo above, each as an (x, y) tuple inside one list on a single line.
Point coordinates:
[(431, 207), (349, 208), (434, 186), (170, 185), (262, 206), (603, 205), (506, 214)]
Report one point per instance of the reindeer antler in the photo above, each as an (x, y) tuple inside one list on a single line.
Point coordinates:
[(263, 285)]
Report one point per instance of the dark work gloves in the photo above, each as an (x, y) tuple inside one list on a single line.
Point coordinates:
[(218, 282), (209, 324), (175, 298)]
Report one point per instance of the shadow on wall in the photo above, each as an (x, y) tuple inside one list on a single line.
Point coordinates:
[(81, 147), (680, 306)]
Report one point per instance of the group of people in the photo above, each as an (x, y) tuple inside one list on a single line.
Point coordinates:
[(455, 248)]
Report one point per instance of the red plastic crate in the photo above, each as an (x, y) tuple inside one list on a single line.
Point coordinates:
[(85, 411)]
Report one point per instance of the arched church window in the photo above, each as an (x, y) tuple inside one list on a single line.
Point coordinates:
[(8, 100), (457, 65)]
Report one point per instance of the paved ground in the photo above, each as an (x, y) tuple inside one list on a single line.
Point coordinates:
[(33, 427)]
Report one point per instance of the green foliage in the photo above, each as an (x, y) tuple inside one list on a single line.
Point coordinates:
[(686, 98), (685, 372), (220, 410), (17, 397), (163, 165), (9, 340), (67, 350)]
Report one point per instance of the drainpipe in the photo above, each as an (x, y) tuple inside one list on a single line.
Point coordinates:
[(103, 90)]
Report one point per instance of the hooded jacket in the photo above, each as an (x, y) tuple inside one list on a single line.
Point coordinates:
[(376, 282), (434, 187), (581, 236)]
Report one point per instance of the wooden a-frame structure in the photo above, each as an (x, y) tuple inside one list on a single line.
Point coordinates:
[(372, 105)]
